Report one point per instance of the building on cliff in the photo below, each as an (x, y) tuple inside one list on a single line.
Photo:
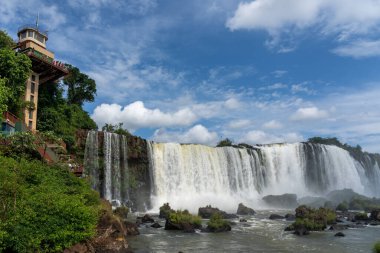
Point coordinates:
[(45, 70)]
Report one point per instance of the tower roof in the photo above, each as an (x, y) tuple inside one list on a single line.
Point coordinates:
[(33, 28)]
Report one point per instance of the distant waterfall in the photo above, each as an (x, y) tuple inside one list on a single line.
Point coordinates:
[(112, 180), (91, 159), (194, 175)]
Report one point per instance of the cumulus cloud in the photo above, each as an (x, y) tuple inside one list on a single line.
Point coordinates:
[(136, 115), (274, 86), (273, 124), (197, 134), (344, 19), (261, 137), (309, 113)]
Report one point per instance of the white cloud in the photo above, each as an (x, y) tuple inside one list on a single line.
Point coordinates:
[(275, 86), (240, 124), (232, 103), (261, 137), (344, 19), (359, 49), (309, 113), (197, 134), (136, 115), (296, 88), (273, 124), (279, 73)]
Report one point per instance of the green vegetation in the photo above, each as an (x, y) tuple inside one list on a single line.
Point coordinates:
[(376, 248), (355, 151), (165, 211), (80, 87), (217, 222), (4, 91), (117, 129), (122, 212), (20, 145), (14, 71), (366, 204), (342, 206), (361, 216), (184, 217), (224, 143), (43, 212), (313, 219), (57, 115)]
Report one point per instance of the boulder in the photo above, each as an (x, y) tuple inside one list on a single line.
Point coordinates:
[(375, 215), (282, 201), (301, 230), (338, 227), (244, 210), (224, 228), (339, 234), (314, 202), (188, 228), (208, 211), (242, 220), (290, 217), (132, 228), (156, 225), (276, 217), (147, 219)]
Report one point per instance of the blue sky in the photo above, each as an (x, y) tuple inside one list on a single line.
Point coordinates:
[(198, 71)]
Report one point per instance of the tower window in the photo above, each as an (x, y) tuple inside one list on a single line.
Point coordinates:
[(30, 34), (30, 114), (30, 124), (32, 87), (23, 35), (31, 98), (33, 78)]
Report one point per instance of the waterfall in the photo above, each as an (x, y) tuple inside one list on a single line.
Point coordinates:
[(190, 176), (111, 180), (91, 160)]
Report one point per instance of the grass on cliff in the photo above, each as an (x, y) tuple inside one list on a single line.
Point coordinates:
[(43, 208)]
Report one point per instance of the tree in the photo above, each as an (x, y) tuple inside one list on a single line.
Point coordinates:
[(15, 70), (224, 143), (117, 129), (4, 91), (6, 41), (81, 88)]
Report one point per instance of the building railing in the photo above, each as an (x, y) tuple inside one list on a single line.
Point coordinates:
[(39, 55), (10, 117), (34, 27)]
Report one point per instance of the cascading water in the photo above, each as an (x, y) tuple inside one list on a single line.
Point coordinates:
[(112, 183), (91, 160), (190, 176)]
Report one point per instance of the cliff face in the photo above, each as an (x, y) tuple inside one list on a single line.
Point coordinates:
[(139, 182)]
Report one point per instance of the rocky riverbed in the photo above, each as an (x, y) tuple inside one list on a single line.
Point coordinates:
[(257, 233)]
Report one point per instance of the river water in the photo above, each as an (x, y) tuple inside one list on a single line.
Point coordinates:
[(259, 234)]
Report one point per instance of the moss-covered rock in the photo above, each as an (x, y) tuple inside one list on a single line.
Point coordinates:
[(217, 224), (244, 210), (183, 220), (376, 248)]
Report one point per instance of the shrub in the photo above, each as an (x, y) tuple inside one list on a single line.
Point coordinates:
[(165, 211), (43, 208), (313, 219), (184, 217), (377, 247), (342, 206), (217, 221), (122, 212)]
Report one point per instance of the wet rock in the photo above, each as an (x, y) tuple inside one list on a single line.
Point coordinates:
[(242, 220), (301, 230), (208, 211), (338, 227), (276, 217), (375, 223), (375, 215), (147, 219), (209, 229), (244, 210), (172, 226), (282, 201), (132, 228), (156, 225), (188, 228), (339, 234), (290, 217)]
